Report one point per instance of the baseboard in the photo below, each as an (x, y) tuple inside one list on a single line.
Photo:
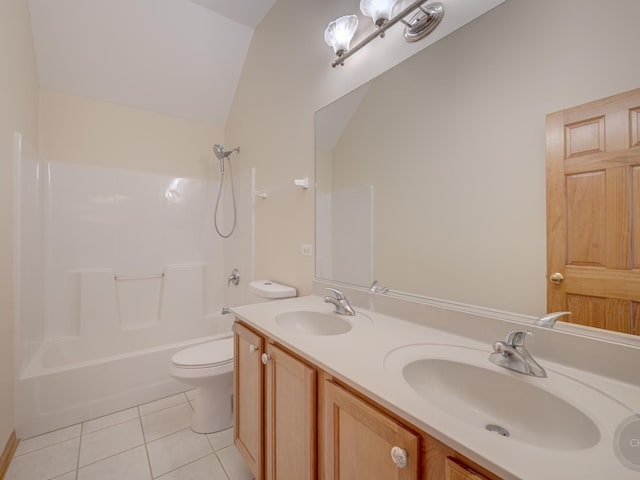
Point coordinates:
[(7, 453)]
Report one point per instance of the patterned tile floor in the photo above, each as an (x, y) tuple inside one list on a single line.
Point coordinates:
[(150, 441)]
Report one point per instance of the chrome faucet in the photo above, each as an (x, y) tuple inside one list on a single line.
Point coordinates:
[(550, 319), (513, 355), (343, 307), (374, 288)]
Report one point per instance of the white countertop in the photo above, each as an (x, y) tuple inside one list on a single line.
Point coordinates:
[(358, 359)]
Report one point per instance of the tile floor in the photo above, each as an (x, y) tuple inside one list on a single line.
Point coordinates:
[(150, 441)]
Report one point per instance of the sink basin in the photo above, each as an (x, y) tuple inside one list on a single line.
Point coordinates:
[(462, 383), (313, 323)]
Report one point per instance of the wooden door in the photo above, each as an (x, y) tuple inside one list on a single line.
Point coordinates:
[(290, 417), (248, 397), (593, 212), (358, 440)]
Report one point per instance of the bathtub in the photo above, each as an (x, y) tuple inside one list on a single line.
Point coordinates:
[(68, 382)]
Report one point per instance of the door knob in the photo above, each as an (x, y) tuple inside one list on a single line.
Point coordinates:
[(556, 278), (252, 348), (266, 358)]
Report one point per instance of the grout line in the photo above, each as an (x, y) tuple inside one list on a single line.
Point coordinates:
[(46, 446), (62, 474), (145, 443), (181, 466), (79, 450), (214, 433), (113, 425), (160, 409), (222, 464), (172, 433), (110, 456)]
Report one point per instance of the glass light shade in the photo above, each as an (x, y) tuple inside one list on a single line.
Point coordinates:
[(340, 32), (378, 10)]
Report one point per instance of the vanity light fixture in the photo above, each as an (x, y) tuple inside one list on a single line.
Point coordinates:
[(424, 20), (340, 32)]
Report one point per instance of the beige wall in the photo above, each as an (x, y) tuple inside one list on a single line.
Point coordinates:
[(494, 80), (460, 174), (286, 78), (83, 130), (18, 112)]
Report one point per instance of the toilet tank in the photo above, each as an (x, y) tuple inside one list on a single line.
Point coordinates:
[(267, 290)]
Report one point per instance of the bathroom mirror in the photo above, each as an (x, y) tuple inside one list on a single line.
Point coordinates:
[(431, 177)]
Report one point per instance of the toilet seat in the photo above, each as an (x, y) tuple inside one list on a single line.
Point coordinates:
[(206, 355)]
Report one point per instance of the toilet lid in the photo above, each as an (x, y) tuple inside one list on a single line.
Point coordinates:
[(217, 352)]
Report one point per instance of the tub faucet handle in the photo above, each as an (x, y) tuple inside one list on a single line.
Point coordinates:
[(234, 278)]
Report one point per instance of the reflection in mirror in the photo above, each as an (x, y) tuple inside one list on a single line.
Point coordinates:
[(431, 177)]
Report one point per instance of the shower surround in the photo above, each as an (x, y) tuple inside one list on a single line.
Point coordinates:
[(116, 271)]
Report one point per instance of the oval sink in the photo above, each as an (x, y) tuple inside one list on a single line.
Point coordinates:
[(462, 383), (526, 412), (313, 323)]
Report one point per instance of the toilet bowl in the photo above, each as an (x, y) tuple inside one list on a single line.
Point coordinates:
[(208, 367)]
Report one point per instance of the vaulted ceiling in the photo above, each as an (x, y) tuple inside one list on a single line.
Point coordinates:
[(177, 57)]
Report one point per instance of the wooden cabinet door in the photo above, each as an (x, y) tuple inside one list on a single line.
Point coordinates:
[(290, 417), (456, 470), (248, 397), (593, 212), (358, 440)]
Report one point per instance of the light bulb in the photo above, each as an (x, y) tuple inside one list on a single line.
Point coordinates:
[(340, 32)]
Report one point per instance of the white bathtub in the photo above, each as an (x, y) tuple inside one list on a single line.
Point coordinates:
[(67, 383)]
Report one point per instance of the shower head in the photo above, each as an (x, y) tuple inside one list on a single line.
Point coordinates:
[(221, 155), (220, 152)]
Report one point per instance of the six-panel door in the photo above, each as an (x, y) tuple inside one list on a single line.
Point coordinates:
[(593, 212)]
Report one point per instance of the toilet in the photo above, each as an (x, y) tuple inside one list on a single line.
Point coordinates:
[(208, 367)]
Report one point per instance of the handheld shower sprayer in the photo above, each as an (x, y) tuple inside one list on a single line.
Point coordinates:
[(221, 154)]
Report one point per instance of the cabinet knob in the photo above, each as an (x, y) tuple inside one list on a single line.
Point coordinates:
[(253, 348), (399, 457), (266, 358)]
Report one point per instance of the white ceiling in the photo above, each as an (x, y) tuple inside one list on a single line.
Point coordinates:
[(177, 57)]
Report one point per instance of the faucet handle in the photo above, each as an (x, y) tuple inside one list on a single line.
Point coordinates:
[(549, 320), (339, 295), (516, 338)]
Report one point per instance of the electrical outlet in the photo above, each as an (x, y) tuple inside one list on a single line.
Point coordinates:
[(307, 250)]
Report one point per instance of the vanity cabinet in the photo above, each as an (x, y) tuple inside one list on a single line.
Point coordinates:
[(275, 409), (294, 421), (360, 441)]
